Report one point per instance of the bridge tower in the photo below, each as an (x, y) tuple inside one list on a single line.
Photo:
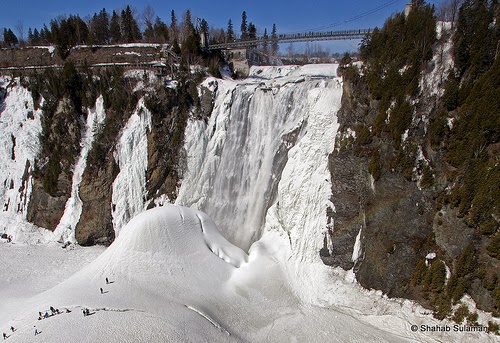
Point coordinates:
[(203, 33), (408, 9)]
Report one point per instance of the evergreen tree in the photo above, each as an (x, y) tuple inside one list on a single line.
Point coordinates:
[(174, 29), (230, 32), (204, 31), (126, 25), (130, 29), (161, 31), (190, 47), (244, 28), (204, 26), (475, 39), (82, 31), (67, 33), (46, 35), (187, 26), (54, 31), (104, 26), (30, 36), (114, 28), (265, 42), (9, 38), (149, 32), (252, 31), (274, 41), (438, 276), (36, 37), (176, 49), (99, 26)]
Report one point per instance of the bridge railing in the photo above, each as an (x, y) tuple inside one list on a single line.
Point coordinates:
[(296, 37)]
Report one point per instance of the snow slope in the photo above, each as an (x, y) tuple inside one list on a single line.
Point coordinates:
[(175, 278)]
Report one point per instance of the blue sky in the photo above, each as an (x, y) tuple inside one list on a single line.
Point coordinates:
[(289, 16)]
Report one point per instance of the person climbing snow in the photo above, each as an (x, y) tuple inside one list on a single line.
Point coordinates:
[(4, 335), (36, 331), (107, 282), (12, 329), (101, 290)]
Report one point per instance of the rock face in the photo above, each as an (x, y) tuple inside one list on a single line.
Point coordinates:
[(401, 219), (394, 216), (52, 184), (96, 225), (350, 185), (45, 210), (162, 178), (398, 220), (165, 150), (207, 98)]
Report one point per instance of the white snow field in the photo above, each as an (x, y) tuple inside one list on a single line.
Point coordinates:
[(174, 278)]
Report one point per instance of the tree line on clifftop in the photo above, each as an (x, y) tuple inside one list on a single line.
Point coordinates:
[(128, 26)]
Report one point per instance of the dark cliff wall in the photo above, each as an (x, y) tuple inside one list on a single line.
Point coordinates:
[(411, 177), (67, 94)]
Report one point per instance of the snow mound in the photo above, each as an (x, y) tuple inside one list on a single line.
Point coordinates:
[(178, 231), (166, 285)]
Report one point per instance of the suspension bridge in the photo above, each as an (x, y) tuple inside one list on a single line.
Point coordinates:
[(294, 37)]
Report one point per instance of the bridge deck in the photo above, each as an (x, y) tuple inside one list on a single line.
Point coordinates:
[(296, 37)]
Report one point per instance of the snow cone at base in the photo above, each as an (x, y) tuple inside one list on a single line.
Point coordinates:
[(177, 231)]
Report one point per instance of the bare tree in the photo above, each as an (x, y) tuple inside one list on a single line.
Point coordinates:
[(148, 15), (20, 31), (449, 11), (290, 50), (454, 7), (186, 25)]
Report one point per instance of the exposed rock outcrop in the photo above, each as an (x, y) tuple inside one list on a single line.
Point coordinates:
[(96, 225), (398, 219), (52, 181), (46, 210)]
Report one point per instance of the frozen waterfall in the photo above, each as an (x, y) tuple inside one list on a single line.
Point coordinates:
[(265, 147)]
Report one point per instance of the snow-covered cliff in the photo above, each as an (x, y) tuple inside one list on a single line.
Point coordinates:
[(259, 169)]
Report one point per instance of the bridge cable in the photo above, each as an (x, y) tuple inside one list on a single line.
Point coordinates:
[(356, 17)]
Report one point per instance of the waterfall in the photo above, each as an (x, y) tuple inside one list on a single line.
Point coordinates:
[(265, 148), (20, 127), (131, 154)]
